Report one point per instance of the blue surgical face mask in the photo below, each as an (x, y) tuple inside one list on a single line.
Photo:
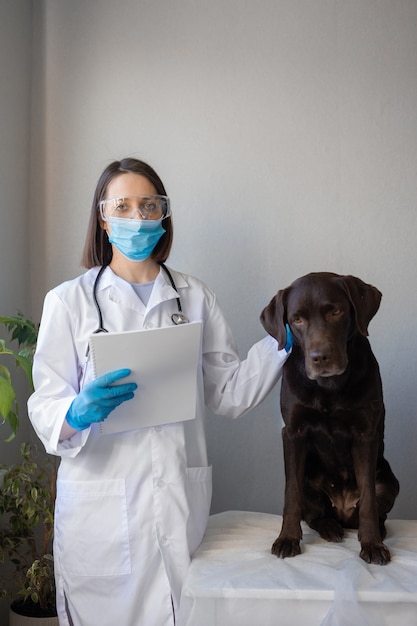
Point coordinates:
[(135, 239)]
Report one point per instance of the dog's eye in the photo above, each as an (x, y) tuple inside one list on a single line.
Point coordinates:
[(337, 312), (297, 320)]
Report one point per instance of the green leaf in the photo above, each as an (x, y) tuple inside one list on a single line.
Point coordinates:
[(7, 396), (5, 372), (3, 347), (13, 421), (4, 350), (23, 330), (24, 359)]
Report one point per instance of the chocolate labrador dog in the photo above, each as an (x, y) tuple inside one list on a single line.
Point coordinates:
[(332, 406)]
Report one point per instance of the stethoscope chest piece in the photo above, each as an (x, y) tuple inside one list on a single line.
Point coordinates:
[(179, 318)]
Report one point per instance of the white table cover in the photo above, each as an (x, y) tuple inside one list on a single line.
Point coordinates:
[(234, 580)]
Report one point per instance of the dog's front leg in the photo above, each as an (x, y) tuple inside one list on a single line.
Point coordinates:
[(288, 542), (373, 550)]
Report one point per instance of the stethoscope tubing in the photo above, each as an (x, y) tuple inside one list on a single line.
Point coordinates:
[(100, 328), (177, 318)]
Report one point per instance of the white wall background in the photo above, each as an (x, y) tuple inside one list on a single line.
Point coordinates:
[(286, 134)]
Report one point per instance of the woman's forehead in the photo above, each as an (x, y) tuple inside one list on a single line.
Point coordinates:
[(129, 184)]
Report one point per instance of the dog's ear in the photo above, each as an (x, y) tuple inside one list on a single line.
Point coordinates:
[(365, 300), (273, 318)]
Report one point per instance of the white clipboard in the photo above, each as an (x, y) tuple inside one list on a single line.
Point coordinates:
[(163, 363)]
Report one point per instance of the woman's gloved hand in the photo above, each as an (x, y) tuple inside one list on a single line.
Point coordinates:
[(97, 400), (288, 345)]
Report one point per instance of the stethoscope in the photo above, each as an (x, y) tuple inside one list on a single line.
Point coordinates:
[(177, 318)]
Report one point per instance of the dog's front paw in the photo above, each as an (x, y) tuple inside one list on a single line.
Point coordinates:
[(377, 553), (285, 547)]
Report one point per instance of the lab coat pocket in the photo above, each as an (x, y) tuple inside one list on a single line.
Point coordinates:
[(91, 528), (199, 490)]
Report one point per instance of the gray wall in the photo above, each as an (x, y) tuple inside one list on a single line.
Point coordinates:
[(285, 131), (15, 103), (15, 67)]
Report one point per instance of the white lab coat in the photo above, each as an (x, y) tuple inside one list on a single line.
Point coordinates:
[(132, 507)]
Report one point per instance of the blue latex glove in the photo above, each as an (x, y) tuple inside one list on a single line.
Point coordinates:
[(97, 400), (288, 345)]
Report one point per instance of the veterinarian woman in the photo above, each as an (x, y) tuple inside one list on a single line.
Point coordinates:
[(131, 507)]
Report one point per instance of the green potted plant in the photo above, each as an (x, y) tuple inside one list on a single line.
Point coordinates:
[(25, 333), (27, 506), (27, 497)]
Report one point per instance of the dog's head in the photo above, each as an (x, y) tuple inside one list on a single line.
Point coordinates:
[(324, 311)]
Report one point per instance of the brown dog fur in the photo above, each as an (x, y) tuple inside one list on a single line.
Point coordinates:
[(332, 406)]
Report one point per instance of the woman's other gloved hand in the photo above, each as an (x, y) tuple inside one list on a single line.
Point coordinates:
[(97, 400), (288, 345)]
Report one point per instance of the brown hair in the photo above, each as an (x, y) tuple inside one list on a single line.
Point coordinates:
[(97, 248)]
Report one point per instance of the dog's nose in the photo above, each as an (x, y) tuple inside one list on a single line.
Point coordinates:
[(319, 357)]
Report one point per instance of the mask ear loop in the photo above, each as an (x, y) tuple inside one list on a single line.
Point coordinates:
[(177, 318)]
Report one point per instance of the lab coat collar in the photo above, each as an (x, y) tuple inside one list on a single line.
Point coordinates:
[(121, 291), (163, 290)]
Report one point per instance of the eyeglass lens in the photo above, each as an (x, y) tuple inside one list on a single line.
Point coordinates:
[(148, 207)]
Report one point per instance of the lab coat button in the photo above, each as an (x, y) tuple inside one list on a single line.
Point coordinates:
[(161, 483)]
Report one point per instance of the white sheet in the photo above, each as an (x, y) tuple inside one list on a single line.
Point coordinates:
[(234, 580)]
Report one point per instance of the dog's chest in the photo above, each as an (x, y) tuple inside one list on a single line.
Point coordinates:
[(332, 443)]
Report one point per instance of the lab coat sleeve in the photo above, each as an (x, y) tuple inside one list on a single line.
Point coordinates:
[(233, 387), (56, 375)]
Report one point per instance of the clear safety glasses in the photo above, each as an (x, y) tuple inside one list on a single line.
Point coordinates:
[(142, 207)]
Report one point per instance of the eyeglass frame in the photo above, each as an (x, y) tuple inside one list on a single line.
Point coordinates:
[(165, 200)]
